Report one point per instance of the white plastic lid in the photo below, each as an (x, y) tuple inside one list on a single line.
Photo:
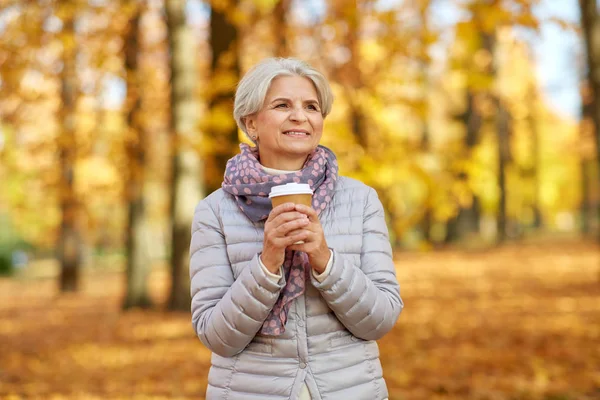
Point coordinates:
[(290, 188)]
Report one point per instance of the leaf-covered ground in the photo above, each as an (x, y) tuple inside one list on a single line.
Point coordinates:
[(515, 323)]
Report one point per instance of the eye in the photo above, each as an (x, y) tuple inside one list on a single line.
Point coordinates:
[(313, 107), (281, 105)]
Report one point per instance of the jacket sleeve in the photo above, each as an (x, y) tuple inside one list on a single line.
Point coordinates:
[(365, 298), (226, 312)]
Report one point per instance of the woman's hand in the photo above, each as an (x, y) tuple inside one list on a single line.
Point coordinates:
[(284, 227), (315, 244)]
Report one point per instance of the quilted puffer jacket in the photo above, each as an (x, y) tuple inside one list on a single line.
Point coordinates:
[(329, 340)]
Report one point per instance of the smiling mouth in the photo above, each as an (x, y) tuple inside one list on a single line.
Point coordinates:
[(296, 133)]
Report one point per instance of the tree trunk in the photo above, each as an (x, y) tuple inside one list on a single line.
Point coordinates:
[(590, 22), (537, 214), (503, 141), (225, 67), (138, 262), (467, 220), (503, 134), (465, 223), (472, 121), (425, 82), (586, 212), (280, 28), (70, 241), (586, 209), (530, 173), (186, 189), (427, 220)]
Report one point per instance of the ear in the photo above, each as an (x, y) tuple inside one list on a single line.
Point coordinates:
[(250, 122)]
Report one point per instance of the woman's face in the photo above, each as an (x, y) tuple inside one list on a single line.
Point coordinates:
[(289, 125)]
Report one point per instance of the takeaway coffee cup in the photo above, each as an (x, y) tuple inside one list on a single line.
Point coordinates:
[(297, 193)]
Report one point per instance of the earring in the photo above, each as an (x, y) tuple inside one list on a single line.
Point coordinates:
[(254, 138)]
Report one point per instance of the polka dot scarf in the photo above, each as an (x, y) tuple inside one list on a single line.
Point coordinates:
[(246, 179)]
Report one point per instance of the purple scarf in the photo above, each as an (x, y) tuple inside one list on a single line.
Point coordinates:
[(248, 182)]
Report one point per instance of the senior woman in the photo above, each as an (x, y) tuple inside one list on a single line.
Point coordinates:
[(291, 299)]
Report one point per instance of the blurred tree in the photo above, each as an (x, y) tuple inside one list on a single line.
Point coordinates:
[(485, 98), (347, 72), (467, 219), (590, 22), (30, 88), (426, 37), (280, 27), (586, 133), (186, 190), (376, 64), (502, 127), (517, 90), (220, 129), (503, 134), (138, 260), (533, 171), (70, 239)]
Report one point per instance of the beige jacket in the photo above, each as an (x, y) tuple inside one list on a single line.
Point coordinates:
[(329, 343)]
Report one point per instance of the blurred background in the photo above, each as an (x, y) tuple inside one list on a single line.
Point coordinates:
[(475, 120)]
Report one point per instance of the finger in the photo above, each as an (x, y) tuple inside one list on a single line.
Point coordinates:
[(287, 217), (297, 247), (297, 231), (296, 224), (308, 211), (304, 245), (282, 208), (287, 241), (291, 240)]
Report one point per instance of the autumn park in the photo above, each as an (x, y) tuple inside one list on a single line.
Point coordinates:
[(476, 121)]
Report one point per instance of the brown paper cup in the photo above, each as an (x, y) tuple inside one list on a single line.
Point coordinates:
[(302, 195), (305, 199)]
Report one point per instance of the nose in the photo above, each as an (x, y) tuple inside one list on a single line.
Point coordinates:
[(298, 115)]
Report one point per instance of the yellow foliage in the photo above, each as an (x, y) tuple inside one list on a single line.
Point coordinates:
[(218, 120), (372, 51), (405, 90), (94, 173), (265, 6)]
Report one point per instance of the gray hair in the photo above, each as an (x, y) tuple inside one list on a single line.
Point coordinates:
[(252, 89)]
